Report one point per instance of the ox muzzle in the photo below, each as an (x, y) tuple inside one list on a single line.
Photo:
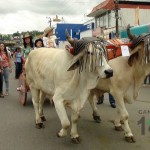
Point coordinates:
[(109, 73)]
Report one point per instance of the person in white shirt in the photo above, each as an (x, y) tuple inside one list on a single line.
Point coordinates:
[(49, 38)]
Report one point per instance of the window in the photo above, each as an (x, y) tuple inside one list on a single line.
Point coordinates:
[(98, 22), (104, 20), (109, 19), (101, 21)]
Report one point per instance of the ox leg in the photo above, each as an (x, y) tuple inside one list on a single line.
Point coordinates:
[(61, 111), (41, 103), (118, 126), (74, 132), (96, 115), (35, 99), (124, 116)]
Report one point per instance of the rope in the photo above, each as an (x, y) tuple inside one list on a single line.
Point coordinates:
[(94, 50)]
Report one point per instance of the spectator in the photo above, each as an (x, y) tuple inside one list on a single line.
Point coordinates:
[(38, 43), (49, 38), (111, 100), (6, 62), (18, 62), (1, 78), (28, 45)]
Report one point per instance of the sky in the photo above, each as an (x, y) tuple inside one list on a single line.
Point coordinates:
[(28, 15)]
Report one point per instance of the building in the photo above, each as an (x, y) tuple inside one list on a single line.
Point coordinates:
[(87, 28), (73, 29), (76, 31), (133, 12)]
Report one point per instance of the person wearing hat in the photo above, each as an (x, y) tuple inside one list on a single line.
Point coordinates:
[(28, 45), (49, 38)]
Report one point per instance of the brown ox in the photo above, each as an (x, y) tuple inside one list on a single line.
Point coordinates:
[(129, 74)]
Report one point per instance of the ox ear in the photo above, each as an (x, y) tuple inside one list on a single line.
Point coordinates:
[(69, 39), (75, 62), (134, 55), (74, 66)]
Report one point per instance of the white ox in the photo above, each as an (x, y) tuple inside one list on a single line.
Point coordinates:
[(46, 74), (129, 74)]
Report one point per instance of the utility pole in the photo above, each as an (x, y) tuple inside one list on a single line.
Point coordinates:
[(54, 20), (117, 17), (50, 20)]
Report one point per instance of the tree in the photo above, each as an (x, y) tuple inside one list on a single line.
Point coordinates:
[(16, 34)]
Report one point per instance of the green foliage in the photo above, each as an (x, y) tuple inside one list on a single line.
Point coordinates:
[(16, 34)]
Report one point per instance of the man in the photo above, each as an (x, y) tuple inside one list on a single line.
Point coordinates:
[(111, 100)]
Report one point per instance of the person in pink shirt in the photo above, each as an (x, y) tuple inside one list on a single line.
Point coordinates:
[(1, 78), (6, 63)]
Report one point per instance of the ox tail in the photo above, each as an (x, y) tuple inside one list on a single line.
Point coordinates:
[(136, 87)]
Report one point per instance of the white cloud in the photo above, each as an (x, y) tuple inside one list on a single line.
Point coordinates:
[(27, 15)]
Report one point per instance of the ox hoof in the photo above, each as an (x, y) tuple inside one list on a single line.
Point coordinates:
[(130, 139), (97, 119), (58, 135), (43, 118), (40, 125), (76, 140), (119, 128)]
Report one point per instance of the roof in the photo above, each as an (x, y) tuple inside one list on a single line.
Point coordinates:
[(110, 5), (106, 5)]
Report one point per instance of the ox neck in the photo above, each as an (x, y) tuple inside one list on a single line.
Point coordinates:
[(91, 78)]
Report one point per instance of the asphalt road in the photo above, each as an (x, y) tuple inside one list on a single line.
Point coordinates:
[(18, 132)]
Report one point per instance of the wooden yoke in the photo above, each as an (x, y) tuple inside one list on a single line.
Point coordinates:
[(114, 48)]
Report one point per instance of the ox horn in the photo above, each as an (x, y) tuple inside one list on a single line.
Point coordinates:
[(69, 39), (131, 36)]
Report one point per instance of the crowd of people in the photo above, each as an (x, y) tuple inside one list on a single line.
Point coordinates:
[(20, 55)]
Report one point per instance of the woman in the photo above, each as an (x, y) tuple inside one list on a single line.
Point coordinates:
[(49, 38), (28, 45), (18, 62), (1, 78), (6, 63)]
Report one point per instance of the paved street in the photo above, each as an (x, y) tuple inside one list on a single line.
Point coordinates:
[(18, 132)]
